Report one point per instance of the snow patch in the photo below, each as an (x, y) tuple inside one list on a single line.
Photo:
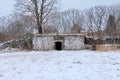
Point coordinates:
[(60, 65), (9, 49)]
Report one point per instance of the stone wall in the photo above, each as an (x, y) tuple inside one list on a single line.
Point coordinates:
[(43, 43), (47, 41), (74, 42), (24, 43)]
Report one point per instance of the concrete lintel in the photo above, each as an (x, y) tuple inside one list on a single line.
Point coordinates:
[(51, 35)]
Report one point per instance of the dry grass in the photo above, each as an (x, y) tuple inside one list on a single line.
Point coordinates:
[(107, 47)]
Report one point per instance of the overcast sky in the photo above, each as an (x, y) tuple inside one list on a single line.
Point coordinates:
[(6, 6)]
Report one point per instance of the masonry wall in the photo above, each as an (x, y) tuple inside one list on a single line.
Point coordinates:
[(43, 43), (47, 42), (74, 42)]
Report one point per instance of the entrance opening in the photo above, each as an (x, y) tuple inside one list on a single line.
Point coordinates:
[(58, 45)]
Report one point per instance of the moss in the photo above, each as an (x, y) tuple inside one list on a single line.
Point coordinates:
[(14, 45), (28, 43), (58, 37)]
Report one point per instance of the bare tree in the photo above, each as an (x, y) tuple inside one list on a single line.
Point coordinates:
[(111, 27), (96, 19), (89, 22), (115, 11), (118, 27), (40, 9), (64, 20), (75, 29), (99, 20), (17, 25), (4, 23)]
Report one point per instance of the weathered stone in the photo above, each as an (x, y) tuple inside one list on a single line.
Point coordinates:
[(51, 41), (25, 43)]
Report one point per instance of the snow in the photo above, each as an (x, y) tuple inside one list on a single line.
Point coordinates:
[(1, 44), (60, 65), (9, 49)]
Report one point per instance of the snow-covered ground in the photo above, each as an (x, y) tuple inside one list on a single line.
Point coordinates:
[(60, 65), (1, 44)]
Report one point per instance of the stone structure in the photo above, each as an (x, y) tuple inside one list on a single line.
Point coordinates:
[(58, 41), (24, 43)]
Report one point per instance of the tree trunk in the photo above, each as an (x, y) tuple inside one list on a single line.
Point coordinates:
[(41, 17), (40, 29), (39, 20)]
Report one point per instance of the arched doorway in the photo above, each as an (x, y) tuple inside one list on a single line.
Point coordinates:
[(58, 45)]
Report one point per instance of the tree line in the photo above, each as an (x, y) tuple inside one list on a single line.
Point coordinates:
[(44, 16)]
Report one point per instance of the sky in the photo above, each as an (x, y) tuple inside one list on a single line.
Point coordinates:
[(7, 6), (85, 4)]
